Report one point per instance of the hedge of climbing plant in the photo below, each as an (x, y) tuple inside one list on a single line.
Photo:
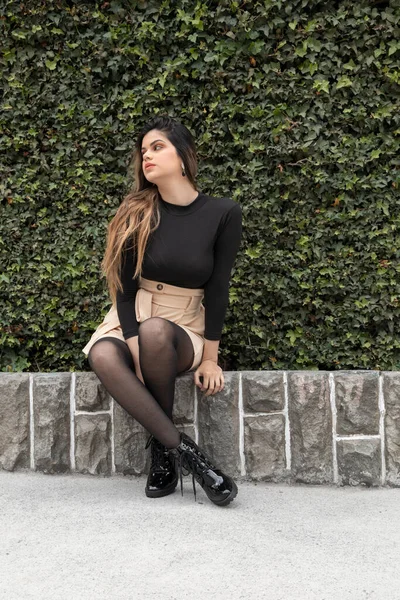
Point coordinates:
[(294, 106)]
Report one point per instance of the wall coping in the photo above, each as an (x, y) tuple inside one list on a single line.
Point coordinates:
[(317, 427)]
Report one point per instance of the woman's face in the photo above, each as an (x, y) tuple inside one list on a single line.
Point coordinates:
[(158, 151)]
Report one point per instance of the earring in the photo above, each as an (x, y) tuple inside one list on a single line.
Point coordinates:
[(183, 170)]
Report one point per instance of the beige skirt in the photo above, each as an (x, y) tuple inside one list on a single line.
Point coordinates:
[(182, 306)]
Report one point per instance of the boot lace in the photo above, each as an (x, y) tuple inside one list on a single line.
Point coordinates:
[(193, 461)]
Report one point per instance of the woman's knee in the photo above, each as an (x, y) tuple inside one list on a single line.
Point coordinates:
[(103, 352), (155, 329)]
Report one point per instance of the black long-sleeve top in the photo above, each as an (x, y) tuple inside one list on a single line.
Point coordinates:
[(194, 246)]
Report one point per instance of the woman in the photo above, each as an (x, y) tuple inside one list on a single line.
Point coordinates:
[(168, 247)]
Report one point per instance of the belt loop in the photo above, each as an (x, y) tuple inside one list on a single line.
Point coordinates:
[(192, 302)]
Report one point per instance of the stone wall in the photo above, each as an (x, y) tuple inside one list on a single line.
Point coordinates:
[(315, 427)]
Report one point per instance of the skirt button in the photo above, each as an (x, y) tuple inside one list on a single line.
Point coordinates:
[(159, 286)]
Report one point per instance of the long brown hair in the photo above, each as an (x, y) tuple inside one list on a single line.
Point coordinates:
[(138, 214)]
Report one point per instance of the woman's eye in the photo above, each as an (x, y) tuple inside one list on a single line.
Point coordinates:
[(156, 146)]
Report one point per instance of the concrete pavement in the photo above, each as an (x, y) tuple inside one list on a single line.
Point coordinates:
[(92, 538)]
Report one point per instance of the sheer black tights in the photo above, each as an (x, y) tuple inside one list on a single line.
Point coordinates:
[(165, 350)]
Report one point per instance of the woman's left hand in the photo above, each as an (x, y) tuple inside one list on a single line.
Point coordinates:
[(213, 378)]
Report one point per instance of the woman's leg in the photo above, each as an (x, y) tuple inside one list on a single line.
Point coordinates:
[(165, 349), (112, 362)]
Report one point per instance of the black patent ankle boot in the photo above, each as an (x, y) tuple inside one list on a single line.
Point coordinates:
[(220, 488), (162, 478)]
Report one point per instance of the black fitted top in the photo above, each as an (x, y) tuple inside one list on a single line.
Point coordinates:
[(194, 246)]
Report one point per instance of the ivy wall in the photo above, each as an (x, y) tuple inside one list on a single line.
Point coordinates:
[(295, 110)]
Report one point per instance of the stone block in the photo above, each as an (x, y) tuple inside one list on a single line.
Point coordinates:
[(359, 462), (264, 447), (93, 444), (310, 420), (14, 421), (357, 402), (263, 391), (218, 421), (183, 409), (130, 437), (391, 394), (51, 415), (90, 394)]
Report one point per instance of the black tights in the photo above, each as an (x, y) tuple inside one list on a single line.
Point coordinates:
[(165, 350)]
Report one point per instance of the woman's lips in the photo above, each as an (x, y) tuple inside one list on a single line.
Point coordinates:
[(150, 165)]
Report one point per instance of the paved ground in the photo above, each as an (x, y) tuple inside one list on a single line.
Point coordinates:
[(80, 537)]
